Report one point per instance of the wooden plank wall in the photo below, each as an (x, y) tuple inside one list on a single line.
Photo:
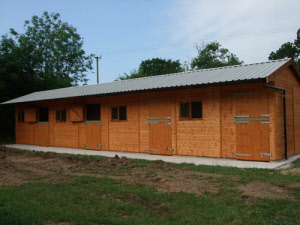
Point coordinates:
[(143, 125), (212, 136), (200, 137), (297, 118), (285, 78), (228, 138), (24, 133), (124, 135), (277, 153)]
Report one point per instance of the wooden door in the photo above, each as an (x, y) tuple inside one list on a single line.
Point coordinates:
[(42, 133), (24, 133), (93, 136), (252, 126), (160, 126)]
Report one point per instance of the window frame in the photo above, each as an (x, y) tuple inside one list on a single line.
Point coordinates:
[(118, 113), (60, 116), (85, 112), (190, 110), (21, 114)]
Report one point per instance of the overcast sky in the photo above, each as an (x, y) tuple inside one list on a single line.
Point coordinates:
[(127, 32)]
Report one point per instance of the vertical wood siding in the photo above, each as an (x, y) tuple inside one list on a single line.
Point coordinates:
[(213, 136), (287, 79)]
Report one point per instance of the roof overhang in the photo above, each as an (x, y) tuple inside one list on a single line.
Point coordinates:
[(250, 81)]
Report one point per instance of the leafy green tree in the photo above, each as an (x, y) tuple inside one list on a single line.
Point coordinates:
[(289, 50), (47, 55), (154, 67), (211, 55)]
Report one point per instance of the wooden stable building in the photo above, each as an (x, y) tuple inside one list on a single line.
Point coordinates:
[(248, 112)]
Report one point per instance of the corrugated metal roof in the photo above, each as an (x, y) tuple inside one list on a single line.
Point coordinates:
[(176, 80)]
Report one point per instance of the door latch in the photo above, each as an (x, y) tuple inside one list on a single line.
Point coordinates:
[(262, 154)]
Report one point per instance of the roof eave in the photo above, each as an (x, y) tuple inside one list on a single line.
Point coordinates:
[(236, 82)]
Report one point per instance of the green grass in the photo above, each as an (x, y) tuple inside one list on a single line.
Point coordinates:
[(296, 164), (90, 200)]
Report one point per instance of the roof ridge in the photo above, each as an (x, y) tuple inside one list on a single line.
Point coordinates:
[(241, 65), (208, 69), (169, 74)]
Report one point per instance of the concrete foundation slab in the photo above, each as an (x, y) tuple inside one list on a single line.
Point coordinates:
[(282, 164)]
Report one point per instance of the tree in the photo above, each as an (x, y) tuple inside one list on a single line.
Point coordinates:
[(154, 67), (289, 50), (211, 55), (48, 55)]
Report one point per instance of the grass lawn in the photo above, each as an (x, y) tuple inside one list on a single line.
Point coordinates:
[(91, 199)]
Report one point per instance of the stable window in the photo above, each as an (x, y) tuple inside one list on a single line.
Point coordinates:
[(61, 115), (93, 112), (119, 113), (191, 110), (21, 116), (43, 115)]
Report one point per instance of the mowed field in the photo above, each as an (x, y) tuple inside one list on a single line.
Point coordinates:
[(50, 188)]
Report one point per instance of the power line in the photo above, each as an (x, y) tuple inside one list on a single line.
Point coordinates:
[(181, 43)]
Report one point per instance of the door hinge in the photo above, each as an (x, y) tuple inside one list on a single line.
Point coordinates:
[(157, 121), (265, 122), (99, 145), (241, 121), (241, 116), (262, 154), (168, 117), (152, 150), (265, 115), (169, 123), (240, 154), (99, 124), (88, 146), (171, 149)]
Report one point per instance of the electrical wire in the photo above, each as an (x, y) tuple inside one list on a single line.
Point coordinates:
[(182, 43)]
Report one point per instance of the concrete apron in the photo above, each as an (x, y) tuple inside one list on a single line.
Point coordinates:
[(282, 164)]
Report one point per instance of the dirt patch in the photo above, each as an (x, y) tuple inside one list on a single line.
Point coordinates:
[(293, 171), (19, 167), (293, 186), (261, 189)]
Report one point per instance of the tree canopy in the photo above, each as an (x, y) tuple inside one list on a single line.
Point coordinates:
[(289, 50), (153, 67), (47, 55), (211, 55)]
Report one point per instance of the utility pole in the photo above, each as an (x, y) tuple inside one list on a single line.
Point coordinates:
[(97, 59)]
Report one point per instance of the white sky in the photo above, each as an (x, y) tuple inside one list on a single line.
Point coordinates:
[(127, 32)]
